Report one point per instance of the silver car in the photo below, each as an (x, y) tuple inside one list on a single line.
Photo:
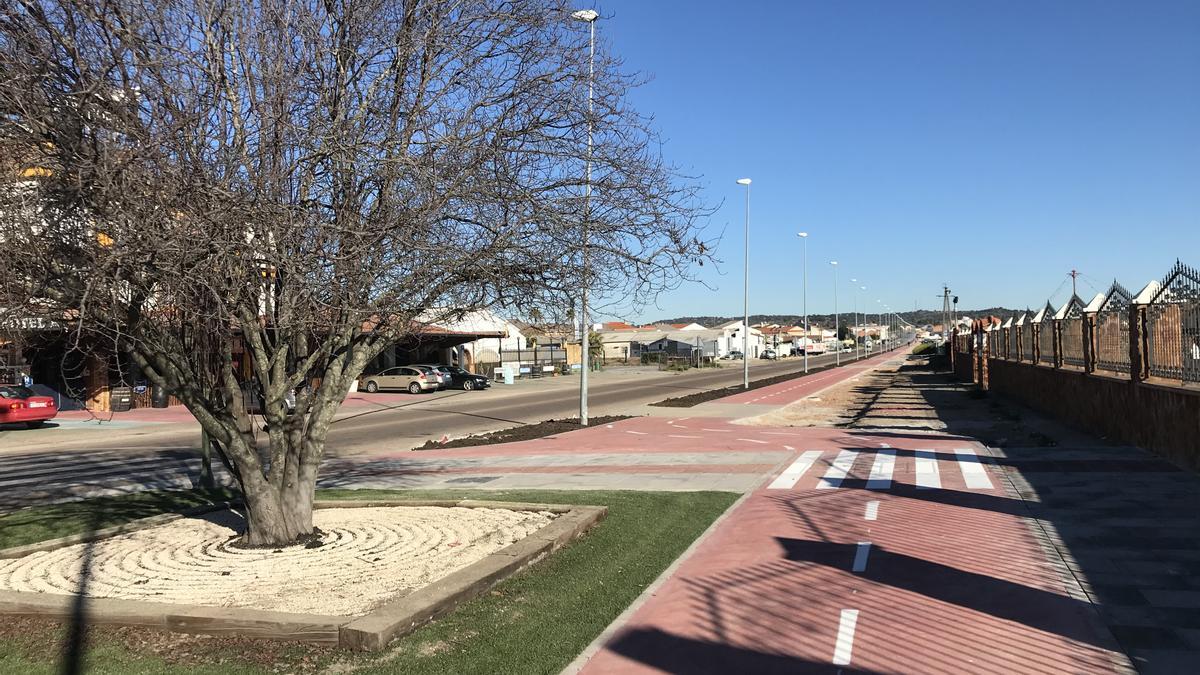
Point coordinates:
[(409, 378), (443, 378)]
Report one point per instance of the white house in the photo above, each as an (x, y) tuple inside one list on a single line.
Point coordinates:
[(484, 350), (732, 336)]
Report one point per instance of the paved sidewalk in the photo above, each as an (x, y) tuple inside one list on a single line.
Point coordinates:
[(898, 542)]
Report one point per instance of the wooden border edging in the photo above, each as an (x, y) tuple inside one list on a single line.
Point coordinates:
[(395, 619), (369, 632)]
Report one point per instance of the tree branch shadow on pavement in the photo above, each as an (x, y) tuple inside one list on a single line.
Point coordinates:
[(1119, 522), (75, 646), (690, 656), (780, 616)]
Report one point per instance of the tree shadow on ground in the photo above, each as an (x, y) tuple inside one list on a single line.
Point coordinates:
[(1122, 524)]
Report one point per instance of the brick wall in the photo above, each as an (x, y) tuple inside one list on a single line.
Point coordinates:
[(1163, 419)]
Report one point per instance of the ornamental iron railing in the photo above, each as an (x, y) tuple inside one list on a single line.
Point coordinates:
[(1112, 330), (1026, 334), (1045, 336), (1070, 333), (1173, 327)]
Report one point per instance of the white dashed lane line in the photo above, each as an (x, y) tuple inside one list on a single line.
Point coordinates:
[(860, 556), (872, 511), (845, 637)]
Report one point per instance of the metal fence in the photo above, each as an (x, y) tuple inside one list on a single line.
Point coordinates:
[(535, 355), (1045, 338), (1071, 341), (1173, 327), (1112, 330), (1070, 334), (1099, 336)]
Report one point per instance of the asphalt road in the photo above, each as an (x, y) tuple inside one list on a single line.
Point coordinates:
[(401, 424), (65, 463)]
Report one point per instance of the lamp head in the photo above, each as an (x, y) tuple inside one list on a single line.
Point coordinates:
[(802, 234), (833, 262), (743, 181), (585, 15)]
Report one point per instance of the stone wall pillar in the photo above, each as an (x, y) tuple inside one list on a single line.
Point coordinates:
[(1139, 367), (1089, 342)]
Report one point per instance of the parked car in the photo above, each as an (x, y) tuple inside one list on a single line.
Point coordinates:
[(443, 378), (19, 404), (769, 354), (734, 355), (410, 378), (461, 379)]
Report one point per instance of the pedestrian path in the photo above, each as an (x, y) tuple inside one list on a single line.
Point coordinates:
[(56, 476), (914, 557)]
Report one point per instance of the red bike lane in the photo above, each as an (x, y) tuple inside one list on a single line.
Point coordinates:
[(867, 553)]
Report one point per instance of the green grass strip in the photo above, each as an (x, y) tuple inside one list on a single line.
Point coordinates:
[(535, 622)]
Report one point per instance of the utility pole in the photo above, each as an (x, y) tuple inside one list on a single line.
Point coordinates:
[(589, 17), (946, 310), (1073, 274)]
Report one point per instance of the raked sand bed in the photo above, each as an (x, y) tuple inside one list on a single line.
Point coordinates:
[(370, 555)]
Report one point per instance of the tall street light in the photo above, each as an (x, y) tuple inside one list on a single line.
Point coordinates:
[(837, 341), (746, 291), (804, 237), (882, 344), (864, 320), (854, 328), (589, 17), (888, 309)]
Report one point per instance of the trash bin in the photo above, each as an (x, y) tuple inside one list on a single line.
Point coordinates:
[(120, 399), (159, 397)]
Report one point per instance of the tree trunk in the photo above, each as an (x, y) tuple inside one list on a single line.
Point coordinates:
[(277, 517)]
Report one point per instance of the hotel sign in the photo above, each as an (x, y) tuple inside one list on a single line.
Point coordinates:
[(30, 323)]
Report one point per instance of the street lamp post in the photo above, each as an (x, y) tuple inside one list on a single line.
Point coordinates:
[(880, 312), (804, 237), (746, 291), (837, 349), (854, 326), (589, 17), (864, 320)]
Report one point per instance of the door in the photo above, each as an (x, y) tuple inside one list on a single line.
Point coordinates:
[(392, 378)]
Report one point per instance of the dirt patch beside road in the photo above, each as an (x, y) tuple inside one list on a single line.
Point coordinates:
[(524, 432), (836, 406), (713, 394)]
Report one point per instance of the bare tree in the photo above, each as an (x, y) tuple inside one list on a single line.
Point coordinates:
[(275, 192)]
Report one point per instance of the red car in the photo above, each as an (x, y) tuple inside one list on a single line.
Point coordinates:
[(19, 404)]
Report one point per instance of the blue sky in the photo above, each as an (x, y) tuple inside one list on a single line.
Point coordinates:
[(992, 145)]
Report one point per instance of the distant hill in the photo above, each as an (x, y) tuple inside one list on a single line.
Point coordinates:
[(919, 317)]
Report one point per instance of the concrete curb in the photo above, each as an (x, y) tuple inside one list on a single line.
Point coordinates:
[(369, 632), (615, 626)]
